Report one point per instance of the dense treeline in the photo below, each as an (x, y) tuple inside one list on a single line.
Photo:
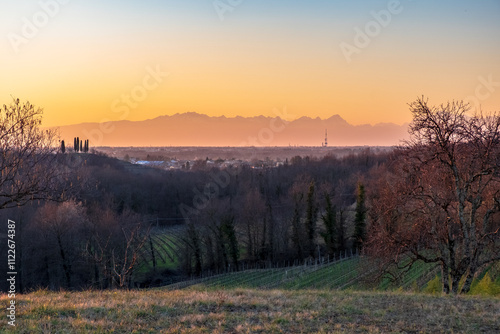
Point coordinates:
[(305, 209), (100, 230)]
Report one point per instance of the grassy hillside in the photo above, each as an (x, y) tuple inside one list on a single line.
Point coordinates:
[(355, 273), (250, 311), (336, 275), (350, 273), (302, 299)]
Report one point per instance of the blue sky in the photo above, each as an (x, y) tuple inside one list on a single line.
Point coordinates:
[(263, 55)]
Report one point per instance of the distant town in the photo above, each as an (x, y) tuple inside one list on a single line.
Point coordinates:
[(196, 158)]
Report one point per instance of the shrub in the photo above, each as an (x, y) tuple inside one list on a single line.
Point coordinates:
[(434, 286), (486, 287)]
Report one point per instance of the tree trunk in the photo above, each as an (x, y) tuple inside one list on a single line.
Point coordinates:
[(468, 280), (271, 234), (263, 251), (66, 266), (444, 278), (153, 257), (250, 251), (455, 281), (296, 235)]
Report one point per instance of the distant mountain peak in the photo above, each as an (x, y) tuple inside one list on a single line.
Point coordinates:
[(191, 114), (336, 118), (195, 129)]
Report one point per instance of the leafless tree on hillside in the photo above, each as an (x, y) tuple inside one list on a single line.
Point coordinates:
[(439, 201), (27, 155)]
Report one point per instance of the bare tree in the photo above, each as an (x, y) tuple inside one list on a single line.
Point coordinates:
[(62, 223), (440, 201), (115, 245), (252, 214), (126, 258), (27, 155)]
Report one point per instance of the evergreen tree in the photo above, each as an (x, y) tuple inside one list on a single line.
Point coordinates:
[(341, 231), (360, 218), (330, 221), (296, 230), (229, 232), (195, 244), (63, 147), (310, 222)]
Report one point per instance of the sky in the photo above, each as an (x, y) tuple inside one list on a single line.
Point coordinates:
[(95, 61)]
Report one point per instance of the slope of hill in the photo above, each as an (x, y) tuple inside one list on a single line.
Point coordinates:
[(192, 129), (339, 274), (249, 311)]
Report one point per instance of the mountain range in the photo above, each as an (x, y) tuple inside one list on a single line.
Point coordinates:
[(193, 129)]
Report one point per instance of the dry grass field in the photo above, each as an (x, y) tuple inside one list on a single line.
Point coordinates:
[(250, 311)]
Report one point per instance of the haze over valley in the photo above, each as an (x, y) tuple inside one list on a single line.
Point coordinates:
[(193, 129)]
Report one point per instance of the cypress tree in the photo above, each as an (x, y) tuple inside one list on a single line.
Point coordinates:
[(330, 221), (341, 231), (312, 212), (229, 232), (196, 246), (360, 218), (63, 147), (296, 230)]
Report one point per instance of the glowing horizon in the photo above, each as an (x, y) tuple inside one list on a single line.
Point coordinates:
[(248, 58)]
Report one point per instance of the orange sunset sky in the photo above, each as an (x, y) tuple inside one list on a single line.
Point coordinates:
[(93, 61)]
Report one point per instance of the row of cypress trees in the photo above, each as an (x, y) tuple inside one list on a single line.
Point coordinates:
[(78, 145)]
